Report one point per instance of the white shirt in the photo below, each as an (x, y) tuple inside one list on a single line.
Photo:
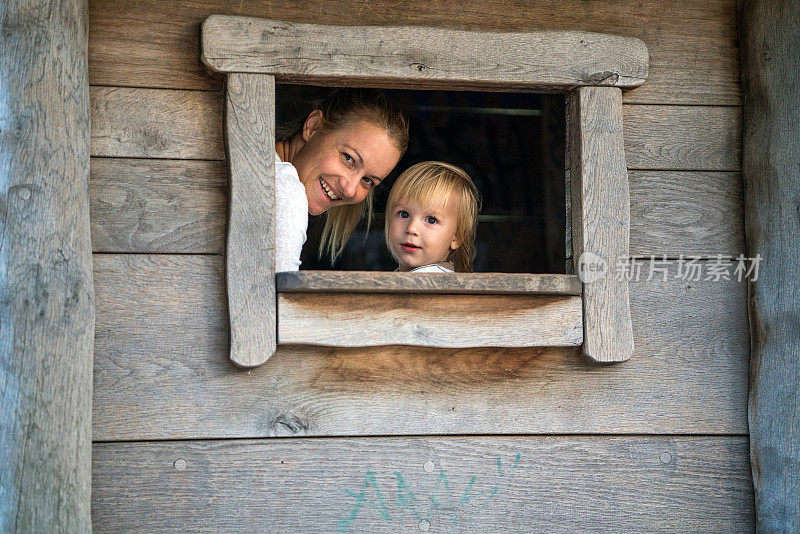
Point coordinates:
[(441, 267), (291, 216)]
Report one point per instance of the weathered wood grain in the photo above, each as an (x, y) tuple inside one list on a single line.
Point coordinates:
[(445, 321), (771, 172), (146, 123), (162, 333), (683, 138), (443, 484), (168, 335), (421, 57), (46, 292), (452, 283), (172, 206), (600, 206), (163, 206), (250, 243), (693, 47), (677, 213), (188, 125)]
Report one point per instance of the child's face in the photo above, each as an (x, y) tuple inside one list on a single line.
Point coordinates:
[(421, 235)]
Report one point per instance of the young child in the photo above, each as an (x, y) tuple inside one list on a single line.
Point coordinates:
[(431, 218)]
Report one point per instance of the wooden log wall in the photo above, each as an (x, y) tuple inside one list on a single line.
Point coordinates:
[(185, 440), (769, 33), (46, 293)]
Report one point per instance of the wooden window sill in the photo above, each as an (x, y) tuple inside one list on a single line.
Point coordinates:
[(446, 310), (439, 283)]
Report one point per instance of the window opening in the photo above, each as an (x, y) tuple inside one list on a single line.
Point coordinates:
[(511, 144)]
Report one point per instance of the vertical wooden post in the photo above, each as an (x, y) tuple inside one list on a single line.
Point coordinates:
[(250, 139), (770, 49), (600, 207), (46, 289)]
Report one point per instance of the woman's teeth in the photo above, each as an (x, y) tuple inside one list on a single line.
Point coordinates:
[(327, 191)]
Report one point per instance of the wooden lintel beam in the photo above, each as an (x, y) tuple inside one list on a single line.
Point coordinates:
[(420, 57)]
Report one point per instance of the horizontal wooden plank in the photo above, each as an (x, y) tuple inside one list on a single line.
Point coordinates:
[(432, 320), (683, 138), (144, 123), (458, 484), (689, 213), (167, 206), (156, 123), (452, 283), (694, 56), (162, 333), (421, 57), (147, 205)]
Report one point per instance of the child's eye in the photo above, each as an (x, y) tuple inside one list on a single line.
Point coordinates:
[(430, 219), (403, 214)]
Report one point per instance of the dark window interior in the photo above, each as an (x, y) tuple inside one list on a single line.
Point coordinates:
[(511, 144)]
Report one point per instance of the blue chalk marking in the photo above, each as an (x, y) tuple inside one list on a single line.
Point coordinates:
[(490, 493), (405, 497), (344, 525), (435, 504)]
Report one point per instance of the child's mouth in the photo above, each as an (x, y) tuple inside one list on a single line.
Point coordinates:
[(409, 247)]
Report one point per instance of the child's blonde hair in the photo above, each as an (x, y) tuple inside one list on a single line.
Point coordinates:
[(433, 183)]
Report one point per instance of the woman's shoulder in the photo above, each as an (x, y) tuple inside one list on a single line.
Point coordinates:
[(286, 176), (289, 190), (284, 166)]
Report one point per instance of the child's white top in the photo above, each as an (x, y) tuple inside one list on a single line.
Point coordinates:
[(441, 267), (291, 216)]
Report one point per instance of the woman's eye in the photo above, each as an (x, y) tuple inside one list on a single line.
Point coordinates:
[(348, 158), (403, 214), (430, 219), (370, 182)]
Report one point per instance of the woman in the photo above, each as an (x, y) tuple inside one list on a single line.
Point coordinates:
[(331, 164)]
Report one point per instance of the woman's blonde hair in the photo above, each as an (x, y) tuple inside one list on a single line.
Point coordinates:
[(343, 108), (434, 183)]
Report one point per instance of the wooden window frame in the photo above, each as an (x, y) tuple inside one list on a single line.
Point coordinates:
[(481, 309)]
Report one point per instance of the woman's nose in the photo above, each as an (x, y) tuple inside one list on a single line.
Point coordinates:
[(349, 185)]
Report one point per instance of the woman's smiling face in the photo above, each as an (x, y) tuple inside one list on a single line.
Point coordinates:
[(342, 165)]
